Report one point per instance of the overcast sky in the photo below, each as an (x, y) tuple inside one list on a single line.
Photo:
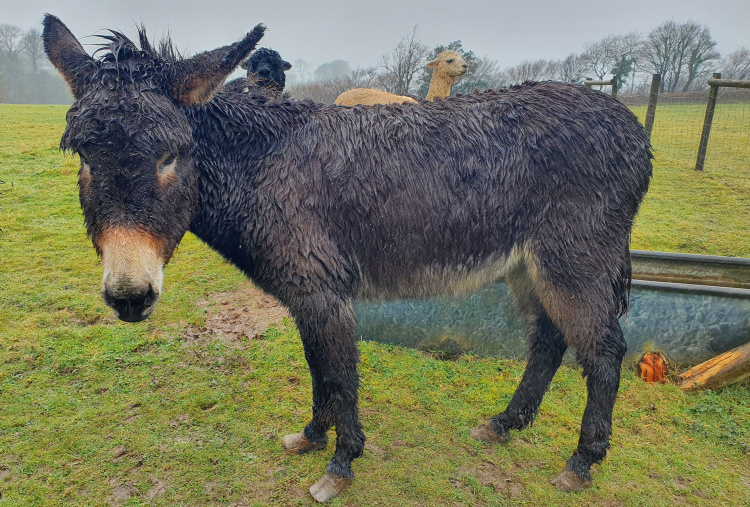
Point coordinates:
[(360, 32)]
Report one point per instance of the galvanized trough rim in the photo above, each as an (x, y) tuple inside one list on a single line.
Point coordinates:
[(689, 288), (707, 259)]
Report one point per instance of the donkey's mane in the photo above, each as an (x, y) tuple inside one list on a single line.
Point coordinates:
[(119, 48)]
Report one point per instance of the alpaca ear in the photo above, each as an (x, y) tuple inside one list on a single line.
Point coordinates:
[(195, 80), (67, 54), (433, 63), (285, 65), (245, 64)]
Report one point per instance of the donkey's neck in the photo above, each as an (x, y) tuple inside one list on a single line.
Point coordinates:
[(234, 139)]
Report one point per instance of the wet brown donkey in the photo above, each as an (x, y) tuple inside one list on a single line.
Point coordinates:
[(320, 205)]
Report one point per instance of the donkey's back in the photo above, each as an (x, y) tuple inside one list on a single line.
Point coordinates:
[(450, 195)]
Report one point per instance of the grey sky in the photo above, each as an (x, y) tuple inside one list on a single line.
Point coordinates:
[(360, 32)]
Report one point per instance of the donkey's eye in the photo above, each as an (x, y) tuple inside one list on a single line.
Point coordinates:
[(167, 162)]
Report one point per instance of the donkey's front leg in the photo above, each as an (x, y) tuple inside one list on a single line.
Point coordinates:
[(327, 325)]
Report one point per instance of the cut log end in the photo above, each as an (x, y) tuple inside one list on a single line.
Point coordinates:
[(721, 371), (654, 368)]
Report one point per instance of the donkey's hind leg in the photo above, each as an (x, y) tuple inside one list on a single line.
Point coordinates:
[(584, 301), (601, 367), (546, 349), (327, 327)]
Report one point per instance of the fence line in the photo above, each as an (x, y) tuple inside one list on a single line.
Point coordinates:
[(677, 127), (614, 83), (715, 83)]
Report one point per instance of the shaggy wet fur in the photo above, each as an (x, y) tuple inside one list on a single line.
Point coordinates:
[(321, 205)]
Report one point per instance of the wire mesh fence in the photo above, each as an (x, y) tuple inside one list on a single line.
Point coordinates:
[(678, 124)]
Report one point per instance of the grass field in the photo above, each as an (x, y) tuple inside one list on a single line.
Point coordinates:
[(94, 411)]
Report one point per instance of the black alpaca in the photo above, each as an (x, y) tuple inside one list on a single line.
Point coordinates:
[(265, 72), (320, 205)]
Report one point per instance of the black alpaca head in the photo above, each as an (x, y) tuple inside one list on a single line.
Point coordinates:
[(137, 181), (266, 68)]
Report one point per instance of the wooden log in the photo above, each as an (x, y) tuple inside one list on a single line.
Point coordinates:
[(722, 370)]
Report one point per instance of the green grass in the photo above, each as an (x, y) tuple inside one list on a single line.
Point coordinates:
[(690, 211), (94, 411)]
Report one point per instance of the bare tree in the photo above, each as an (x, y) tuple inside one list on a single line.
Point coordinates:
[(10, 41), (332, 70), (736, 65), (404, 62), (33, 48), (537, 70), (363, 77), (300, 72), (679, 52), (659, 51), (700, 48), (625, 50), (483, 74), (572, 69), (600, 56)]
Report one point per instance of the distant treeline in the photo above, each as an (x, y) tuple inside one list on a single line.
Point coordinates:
[(683, 53), (25, 74)]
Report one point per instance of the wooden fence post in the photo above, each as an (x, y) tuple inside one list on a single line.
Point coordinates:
[(652, 98), (707, 124), (614, 82)]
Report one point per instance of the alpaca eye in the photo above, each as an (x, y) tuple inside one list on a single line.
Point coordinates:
[(450, 61)]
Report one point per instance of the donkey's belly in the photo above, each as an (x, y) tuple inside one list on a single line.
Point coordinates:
[(437, 279)]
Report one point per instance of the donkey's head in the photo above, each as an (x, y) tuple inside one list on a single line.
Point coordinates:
[(137, 183)]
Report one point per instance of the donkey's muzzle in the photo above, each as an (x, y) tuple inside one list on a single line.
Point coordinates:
[(133, 263), (133, 305)]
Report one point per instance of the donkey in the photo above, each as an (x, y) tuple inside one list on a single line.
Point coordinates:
[(320, 205)]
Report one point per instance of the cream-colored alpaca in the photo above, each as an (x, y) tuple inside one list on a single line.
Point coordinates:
[(446, 68), (369, 97)]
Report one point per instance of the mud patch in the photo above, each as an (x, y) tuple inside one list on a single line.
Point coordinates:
[(244, 314), (121, 491), (490, 475), (158, 488)]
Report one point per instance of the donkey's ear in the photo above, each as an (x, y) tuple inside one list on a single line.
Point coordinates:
[(66, 54), (196, 79)]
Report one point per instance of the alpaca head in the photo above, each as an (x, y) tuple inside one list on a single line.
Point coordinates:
[(266, 68), (448, 64)]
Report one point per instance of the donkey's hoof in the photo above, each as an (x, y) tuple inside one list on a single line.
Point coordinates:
[(297, 443), (569, 481), (329, 487), (485, 433)]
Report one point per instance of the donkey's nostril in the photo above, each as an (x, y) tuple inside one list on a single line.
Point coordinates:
[(131, 307)]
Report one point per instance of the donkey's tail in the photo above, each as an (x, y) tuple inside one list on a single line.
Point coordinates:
[(622, 284)]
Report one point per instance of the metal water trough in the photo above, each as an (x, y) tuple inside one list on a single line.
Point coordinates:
[(690, 307)]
